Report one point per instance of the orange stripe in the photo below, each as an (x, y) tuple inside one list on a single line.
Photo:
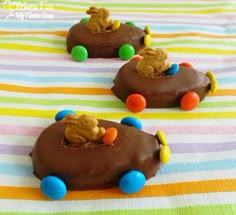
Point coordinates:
[(58, 33), (172, 35), (223, 92), (57, 90), (85, 90), (192, 34), (193, 187)]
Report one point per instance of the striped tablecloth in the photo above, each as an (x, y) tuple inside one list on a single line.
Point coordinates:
[(38, 78)]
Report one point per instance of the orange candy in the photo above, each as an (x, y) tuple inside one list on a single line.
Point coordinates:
[(185, 64), (110, 135), (136, 58), (189, 101), (136, 103)]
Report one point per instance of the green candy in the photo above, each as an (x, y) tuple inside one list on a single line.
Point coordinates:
[(79, 53), (85, 19), (130, 23), (126, 52)]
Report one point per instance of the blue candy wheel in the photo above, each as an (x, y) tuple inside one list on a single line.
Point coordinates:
[(132, 182), (132, 121), (53, 187), (61, 114)]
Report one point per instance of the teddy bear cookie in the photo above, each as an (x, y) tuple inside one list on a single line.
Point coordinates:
[(82, 153), (151, 81), (98, 36)]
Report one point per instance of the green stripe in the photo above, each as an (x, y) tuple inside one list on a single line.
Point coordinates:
[(136, 4), (190, 210), (97, 103), (50, 102), (35, 39)]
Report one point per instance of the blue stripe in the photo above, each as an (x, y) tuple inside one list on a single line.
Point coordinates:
[(45, 79), (16, 169), (171, 168), (158, 27), (38, 79)]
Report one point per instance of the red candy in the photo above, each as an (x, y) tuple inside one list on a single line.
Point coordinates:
[(185, 64), (136, 103), (110, 135), (189, 101), (136, 58)]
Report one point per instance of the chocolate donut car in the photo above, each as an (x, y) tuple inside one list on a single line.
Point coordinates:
[(130, 156), (100, 37), (180, 85)]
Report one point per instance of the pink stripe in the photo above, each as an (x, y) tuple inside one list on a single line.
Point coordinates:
[(171, 130), (182, 130), (20, 130)]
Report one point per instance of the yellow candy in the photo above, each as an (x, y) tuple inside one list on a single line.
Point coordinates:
[(165, 154), (214, 84), (116, 25), (162, 137), (147, 40), (147, 29)]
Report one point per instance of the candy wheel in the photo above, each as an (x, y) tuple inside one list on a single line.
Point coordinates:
[(85, 19), (126, 52), (189, 101), (132, 121), (135, 103), (132, 182), (61, 114), (79, 53), (53, 187)]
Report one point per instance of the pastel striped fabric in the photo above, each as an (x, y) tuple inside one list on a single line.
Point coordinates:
[(38, 78)]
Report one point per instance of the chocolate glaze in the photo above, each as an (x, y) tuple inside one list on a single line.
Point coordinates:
[(106, 44), (160, 92), (97, 165)]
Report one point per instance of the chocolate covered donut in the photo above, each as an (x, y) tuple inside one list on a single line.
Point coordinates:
[(95, 165), (161, 88), (101, 37)]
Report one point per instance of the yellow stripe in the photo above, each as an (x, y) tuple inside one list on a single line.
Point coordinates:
[(22, 47), (172, 11), (201, 50), (106, 115), (181, 188)]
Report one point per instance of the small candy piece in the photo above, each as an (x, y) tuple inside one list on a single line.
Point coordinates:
[(130, 23), (147, 29), (132, 182), (214, 84), (85, 19), (126, 52), (53, 187), (116, 25), (79, 53), (165, 154), (147, 40), (161, 137), (136, 58), (173, 69), (132, 121), (110, 135), (61, 114), (189, 101), (135, 103), (186, 64)]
